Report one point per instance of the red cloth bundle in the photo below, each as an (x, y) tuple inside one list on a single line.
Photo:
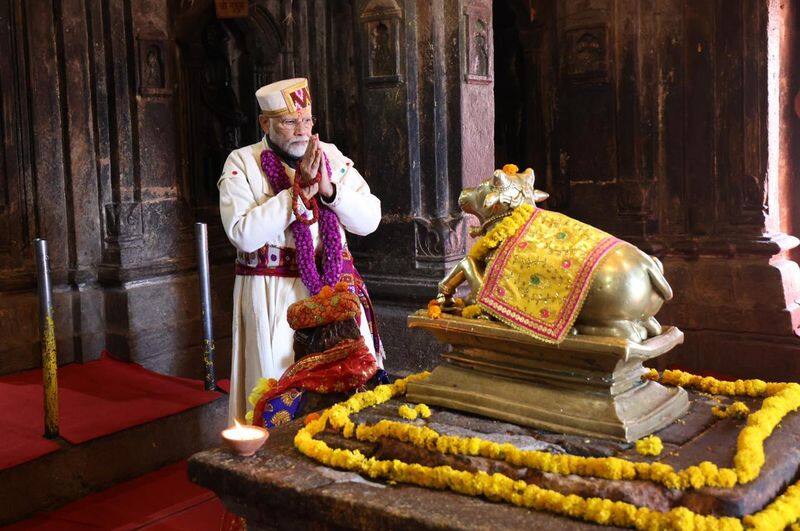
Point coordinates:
[(347, 366)]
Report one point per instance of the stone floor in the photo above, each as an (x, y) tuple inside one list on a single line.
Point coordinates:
[(282, 488)]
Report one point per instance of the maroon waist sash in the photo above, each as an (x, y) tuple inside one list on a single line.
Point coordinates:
[(273, 261)]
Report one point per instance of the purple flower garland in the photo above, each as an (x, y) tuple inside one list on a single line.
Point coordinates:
[(304, 243)]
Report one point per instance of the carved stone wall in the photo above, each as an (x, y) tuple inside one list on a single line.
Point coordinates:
[(652, 120), (113, 118), (649, 119), (117, 117)]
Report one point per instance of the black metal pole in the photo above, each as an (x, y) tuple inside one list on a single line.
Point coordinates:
[(47, 337), (201, 237)]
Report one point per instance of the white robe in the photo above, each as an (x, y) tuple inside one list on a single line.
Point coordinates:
[(253, 216)]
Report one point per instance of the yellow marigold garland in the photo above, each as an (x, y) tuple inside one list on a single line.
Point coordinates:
[(434, 309), (503, 229), (748, 460), (412, 412), (262, 386), (781, 399), (407, 412), (423, 410), (707, 384), (783, 511), (472, 311), (650, 445), (704, 474), (737, 409)]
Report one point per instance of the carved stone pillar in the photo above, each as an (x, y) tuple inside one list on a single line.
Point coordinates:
[(666, 134), (147, 244), (424, 113), (427, 121)]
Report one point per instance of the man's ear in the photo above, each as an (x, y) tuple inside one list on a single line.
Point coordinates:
[(263, 121)]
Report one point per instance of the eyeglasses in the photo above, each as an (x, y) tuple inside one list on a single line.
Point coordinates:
[(292, 123)]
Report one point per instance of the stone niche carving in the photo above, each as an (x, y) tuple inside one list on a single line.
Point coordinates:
[(438, 242), (155, 63), (587, 53), (124, 222), (381, 38), (477, 43)]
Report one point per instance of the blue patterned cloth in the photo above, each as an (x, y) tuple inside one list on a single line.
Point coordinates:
[(284, 408)]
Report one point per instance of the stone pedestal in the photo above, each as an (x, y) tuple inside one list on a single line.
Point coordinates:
[(278, 488), (584, 385)]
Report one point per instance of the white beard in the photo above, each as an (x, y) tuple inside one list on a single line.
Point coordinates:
[(296, 147)]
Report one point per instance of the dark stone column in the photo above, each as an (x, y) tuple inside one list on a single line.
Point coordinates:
[(426, 124), (33, 197), (426, 118), (663, 134), (147, 255)]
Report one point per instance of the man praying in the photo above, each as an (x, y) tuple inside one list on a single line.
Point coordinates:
[(286, 203)]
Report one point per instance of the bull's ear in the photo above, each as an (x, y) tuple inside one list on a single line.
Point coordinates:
[(500, 180), (530, 178), (491, 199)]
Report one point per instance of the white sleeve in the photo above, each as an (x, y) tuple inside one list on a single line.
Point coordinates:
[(250, 226), (358, 210)]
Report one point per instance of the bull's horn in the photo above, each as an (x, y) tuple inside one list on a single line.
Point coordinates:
[(500, 179), (539, 196)]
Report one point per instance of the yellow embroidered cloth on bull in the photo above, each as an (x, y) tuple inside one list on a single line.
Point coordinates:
[(541, 274)]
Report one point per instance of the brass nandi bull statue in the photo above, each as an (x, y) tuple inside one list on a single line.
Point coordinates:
[(626, 291)]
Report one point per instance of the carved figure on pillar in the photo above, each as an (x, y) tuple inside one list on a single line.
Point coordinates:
[(287, 203), (155, 68), (383, 60), (481, 66)]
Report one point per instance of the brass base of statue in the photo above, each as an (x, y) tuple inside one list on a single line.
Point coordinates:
[(585, 385)]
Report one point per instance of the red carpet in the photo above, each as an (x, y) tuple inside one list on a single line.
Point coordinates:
[(162, 500), (22, 420), (22, 441), (96, 399)]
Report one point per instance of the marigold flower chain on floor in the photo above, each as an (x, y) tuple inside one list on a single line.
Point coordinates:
[(650, 445), (423, 410), (707, 384), (407, 412), (781, 399), (784, 510), (737, 410)]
